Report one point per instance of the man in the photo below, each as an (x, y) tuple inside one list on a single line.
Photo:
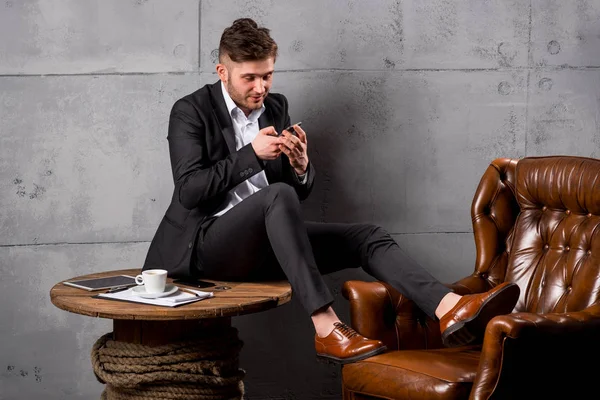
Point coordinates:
[(235, 213)]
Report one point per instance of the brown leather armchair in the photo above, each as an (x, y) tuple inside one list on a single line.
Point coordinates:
[(536, 222)]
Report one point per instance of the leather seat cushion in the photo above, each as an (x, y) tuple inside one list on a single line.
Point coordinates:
[(415, 374)]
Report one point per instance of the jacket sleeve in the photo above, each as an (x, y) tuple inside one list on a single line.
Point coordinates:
[(196, 178), (302, 189)]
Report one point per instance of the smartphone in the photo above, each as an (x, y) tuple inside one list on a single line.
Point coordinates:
[(291, 129), (194, 282)]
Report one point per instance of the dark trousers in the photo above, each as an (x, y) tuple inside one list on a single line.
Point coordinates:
[(265, 237)]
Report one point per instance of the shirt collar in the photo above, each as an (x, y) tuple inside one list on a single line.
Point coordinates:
[(231, 107)]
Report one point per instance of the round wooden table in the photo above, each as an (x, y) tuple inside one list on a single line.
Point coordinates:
[(153, 326)]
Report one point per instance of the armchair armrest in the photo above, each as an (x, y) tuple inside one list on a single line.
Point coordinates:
[(378, 311), (522, 348)]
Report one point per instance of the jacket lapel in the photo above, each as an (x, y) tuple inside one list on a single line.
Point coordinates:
[(222, 116), (272, 167)]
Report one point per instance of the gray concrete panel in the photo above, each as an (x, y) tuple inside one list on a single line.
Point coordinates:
[(88, 157), (563, 113), (380, 35), (565, 33), (405, 150), (98, 36), (45, 351)]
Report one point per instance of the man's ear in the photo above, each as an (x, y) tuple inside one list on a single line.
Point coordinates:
[(222, 72)]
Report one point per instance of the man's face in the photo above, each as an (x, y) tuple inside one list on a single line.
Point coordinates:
[(247, 82)]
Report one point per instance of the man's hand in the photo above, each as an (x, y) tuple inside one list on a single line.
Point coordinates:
[(266, 144), (295, 148)]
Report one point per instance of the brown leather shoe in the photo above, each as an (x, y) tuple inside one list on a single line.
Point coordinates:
[(344, 345), (466, 321)]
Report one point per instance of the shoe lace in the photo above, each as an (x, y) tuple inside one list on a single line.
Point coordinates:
[(345, 330)]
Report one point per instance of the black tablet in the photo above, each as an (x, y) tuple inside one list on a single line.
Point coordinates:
[(108, 282)]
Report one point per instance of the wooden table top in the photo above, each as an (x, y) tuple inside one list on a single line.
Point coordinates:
[(242, 298)]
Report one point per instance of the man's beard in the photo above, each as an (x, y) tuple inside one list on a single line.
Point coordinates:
[(241, 100)]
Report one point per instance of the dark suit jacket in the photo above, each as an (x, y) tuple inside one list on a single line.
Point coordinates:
[(205, 166)]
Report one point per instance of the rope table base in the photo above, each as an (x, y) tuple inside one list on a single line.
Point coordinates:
[(205, 368)]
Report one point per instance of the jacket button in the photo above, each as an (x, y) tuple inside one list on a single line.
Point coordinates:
[(250, 170), (190, 245), (242, 173)]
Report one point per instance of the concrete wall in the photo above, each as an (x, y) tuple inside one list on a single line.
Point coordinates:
[(405, 103)]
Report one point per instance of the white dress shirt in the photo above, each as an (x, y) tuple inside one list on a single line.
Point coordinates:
[(246, 129)]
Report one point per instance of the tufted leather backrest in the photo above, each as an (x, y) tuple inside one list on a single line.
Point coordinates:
[(537, 223), (554, 252)]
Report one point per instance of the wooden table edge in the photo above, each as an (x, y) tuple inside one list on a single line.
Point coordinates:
[(57, 300)]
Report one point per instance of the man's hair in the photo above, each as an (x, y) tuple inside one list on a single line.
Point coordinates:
[(244, 40)]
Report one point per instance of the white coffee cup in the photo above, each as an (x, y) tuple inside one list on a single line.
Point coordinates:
[(154, 280)]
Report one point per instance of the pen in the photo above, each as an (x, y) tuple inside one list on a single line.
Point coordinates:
[(189, 291)]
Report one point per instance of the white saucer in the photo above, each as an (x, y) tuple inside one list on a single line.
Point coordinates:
[(141, 291)]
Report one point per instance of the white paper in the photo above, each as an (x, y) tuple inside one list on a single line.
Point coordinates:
[(175, 299)]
